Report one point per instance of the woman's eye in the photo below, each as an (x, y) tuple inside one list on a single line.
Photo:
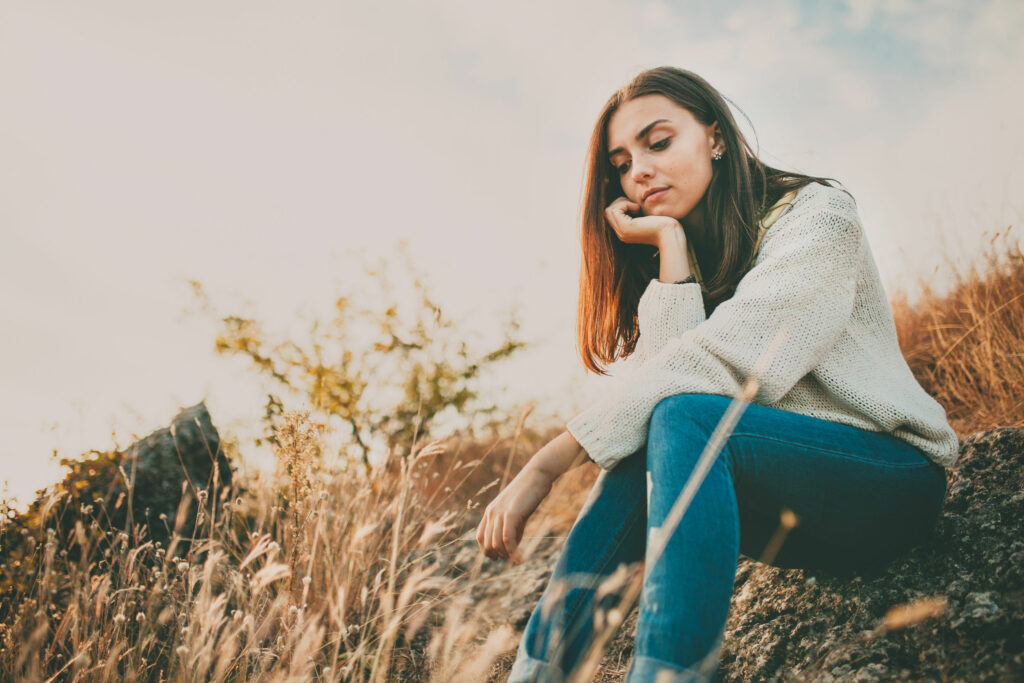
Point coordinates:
[(657, 146)]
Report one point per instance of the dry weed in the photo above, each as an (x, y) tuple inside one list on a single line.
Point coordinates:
[(965, 346)]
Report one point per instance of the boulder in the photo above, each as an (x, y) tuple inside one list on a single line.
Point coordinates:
[(965, 584), (106, 493), (184, 457)]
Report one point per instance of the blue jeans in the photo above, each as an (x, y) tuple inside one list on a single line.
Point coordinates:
[(860, 499)]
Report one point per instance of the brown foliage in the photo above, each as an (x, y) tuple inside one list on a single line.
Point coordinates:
[(965, 346), (470, 472)]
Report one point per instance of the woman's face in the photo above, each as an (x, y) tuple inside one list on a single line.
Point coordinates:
[(661, 155)]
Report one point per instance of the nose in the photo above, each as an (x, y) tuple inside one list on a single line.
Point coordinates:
[(641, 169)]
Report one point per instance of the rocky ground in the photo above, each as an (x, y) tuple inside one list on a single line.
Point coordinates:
[(967, 583)]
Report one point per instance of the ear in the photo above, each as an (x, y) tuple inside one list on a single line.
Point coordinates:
[(716, 136)]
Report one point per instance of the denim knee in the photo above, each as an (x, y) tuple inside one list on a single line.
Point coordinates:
[(702, 409), (673, 417)]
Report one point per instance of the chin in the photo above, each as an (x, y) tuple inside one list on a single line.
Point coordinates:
[(678, 213), (662, 211)]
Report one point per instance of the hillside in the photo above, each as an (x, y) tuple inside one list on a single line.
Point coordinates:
[(167, 562)]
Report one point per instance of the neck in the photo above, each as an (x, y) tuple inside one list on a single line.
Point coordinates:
[(693, 226)]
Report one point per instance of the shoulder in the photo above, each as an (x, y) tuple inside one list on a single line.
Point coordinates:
[(819, 215), (815, 197)]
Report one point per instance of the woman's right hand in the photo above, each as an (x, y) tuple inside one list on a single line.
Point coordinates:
[(643, 229), (501, 529)]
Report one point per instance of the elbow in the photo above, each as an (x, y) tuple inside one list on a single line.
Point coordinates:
[(782, 375), (770, 391)]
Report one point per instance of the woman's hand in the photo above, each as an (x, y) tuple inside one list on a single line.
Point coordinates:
[(652, 230), (501, 529)]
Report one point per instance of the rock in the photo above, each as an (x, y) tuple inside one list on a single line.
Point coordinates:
[(969, 561), (94, 505), (172, 460)]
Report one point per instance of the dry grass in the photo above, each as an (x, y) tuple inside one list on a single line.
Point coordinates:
[(310, 575), (319, 574), (966, 348), (469, 473), (306, 574)]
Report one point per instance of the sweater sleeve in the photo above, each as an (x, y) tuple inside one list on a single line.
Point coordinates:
[(804, 282), (665, 311)]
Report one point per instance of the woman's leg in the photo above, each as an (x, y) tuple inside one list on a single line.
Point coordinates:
[(860, 498), (608, 533)]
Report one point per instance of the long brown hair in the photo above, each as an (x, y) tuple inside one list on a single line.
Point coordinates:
[(614, 274)]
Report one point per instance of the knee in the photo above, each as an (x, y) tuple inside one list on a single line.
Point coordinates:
[(678, 414), (680, 428)]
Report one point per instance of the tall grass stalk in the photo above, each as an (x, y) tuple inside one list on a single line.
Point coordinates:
[(310, 573)]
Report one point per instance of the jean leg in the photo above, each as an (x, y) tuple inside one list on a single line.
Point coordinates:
[(686, 591), (860, 497), (608, 533)]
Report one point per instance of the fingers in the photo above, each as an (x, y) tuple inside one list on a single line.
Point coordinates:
[(498, 537), (623, 204), (485, 536), (616, 211), (481, 535), (508, 537), (497, 543), (616, 214)]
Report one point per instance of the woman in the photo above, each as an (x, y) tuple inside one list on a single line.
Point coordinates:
[(698, 259)]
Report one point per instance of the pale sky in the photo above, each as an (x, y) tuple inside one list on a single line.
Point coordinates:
[(258, 147)]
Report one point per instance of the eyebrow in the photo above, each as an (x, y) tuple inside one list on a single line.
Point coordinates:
[(639, 136)]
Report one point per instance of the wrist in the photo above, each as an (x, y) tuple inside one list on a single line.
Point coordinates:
[(538, 474), (672, 237), (674, 264)]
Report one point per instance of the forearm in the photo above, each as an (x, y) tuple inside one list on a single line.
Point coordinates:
[(673, 263), (558, 456)]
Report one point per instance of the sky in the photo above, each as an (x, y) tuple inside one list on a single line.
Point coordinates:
[(266, 149)]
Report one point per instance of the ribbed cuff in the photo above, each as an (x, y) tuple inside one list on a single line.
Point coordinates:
[(586, 429), (668, 310)]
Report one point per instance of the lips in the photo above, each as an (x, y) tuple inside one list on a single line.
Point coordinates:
[(653, 191)]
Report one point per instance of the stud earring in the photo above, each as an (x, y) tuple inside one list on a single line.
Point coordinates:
[(716, 156)]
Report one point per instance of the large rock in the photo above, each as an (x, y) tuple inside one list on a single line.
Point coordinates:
[(95, 499), (181, 458), (790, 625)]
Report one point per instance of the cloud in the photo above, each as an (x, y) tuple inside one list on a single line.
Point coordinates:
[(968, 36), (859, 15)]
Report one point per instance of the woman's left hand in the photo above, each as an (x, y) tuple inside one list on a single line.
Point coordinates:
[(501, 528), (650, 230)]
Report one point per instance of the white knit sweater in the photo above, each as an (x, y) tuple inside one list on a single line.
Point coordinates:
[(813, 276)]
